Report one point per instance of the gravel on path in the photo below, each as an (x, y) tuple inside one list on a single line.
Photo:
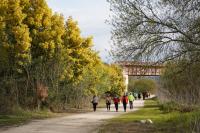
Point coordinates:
[(78, 123)]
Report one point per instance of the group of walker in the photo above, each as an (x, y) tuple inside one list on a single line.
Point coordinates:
[(116, 100)]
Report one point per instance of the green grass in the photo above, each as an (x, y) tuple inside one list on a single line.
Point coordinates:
[(151, 111), (21, 117), (163, 122)]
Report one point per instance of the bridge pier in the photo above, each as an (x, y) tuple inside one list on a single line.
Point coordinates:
[(126, 82)]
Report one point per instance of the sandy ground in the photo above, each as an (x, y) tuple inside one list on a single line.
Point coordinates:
[(78, 123)]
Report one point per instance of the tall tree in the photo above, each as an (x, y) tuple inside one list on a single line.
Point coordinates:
[(39, 22), (161, 29), (80, 48), (15, 40), (41, 55), (15, 43)]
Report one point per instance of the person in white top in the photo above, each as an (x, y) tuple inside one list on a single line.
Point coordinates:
[(95, 102), (108, 102)]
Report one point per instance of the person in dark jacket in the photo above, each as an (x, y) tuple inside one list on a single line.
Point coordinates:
[(116, 101), (139, 96)]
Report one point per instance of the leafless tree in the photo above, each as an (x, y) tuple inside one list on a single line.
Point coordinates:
[(155, 29)]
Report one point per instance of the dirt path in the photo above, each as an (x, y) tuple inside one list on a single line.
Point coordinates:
[(79, 123)]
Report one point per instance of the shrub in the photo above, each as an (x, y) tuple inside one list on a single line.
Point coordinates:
[(173, 106), (144, 85)]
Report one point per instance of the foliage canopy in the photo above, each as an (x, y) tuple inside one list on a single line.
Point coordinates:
[(38, 49), (143, 85)]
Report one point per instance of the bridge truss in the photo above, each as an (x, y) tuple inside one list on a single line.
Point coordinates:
[(133, 68)]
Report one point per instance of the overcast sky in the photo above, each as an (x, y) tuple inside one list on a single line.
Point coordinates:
[(91, 16)]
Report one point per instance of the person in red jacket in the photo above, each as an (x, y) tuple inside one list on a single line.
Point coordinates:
[(116, 101), (125, 101)]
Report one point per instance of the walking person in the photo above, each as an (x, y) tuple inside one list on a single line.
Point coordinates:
[(135, 95), (144, 95), (108, 102), (116, 101), (139, 96), (95, 102), (125, 101), (131, 99)]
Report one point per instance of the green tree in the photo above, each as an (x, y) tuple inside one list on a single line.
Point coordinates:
[(40, 52), (80, 48), (15, 40), (116, 80), (144, 85), (14, 51), (180, 83)]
